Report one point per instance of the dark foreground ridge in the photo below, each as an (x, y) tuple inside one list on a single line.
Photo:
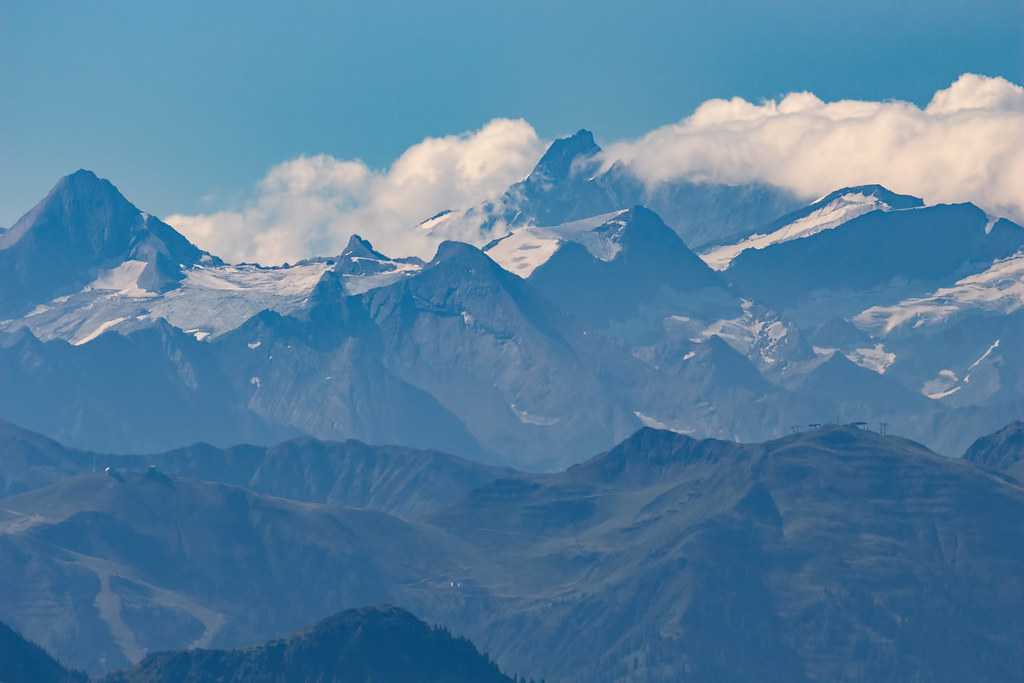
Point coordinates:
[(24, 662), (829, 554), (381, 644)]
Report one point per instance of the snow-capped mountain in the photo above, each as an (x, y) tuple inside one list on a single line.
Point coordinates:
[(926, 295), (997, 290), (631, 277), (833, 530), (82, 231), (879, 258), (568, 185), (828, 212), (604, 273), (578, 321)]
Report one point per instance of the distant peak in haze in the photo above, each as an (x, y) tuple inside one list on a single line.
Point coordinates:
[(558, 161), (83, 226), (79, 196), (461, 253), (358, 247), (892, 199)]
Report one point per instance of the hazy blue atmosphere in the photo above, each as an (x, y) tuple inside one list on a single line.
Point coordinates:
[(400, 342), (185, 107)]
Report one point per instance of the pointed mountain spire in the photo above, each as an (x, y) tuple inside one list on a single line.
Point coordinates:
[(557, 163), (358, 247), (83, 226)]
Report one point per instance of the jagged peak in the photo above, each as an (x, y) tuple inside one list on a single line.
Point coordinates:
[(451, 250), (357, 246), (557, 162), (84, 176), (84, 181), (77, 193), (83, 226), (892, 199)]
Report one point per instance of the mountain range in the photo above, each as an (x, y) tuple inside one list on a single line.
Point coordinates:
[(579, 314), (379, 643), (830, 554)]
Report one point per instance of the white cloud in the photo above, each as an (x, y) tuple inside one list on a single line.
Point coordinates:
[(312, 205), (966, 145)]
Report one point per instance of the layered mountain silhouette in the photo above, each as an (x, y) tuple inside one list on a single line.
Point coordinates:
[(587, 316), (400, 481), (832, 553), (892, 254), (650, 264), (82, 227), (379, 644), (109, 566), (568, 185)]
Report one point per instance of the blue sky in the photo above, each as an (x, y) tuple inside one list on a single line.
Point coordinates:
[(185, 105)]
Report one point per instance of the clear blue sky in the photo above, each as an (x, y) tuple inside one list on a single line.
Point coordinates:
[(179, 101)]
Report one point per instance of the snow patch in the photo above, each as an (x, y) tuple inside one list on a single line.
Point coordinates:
[(97, 332), (649, 421), (523, 252), (942, 386), (360, 284), (525, 249), (527, 418), (944, 394), (124, 280), (757, 333), (997, 289), (877, 358), (947, 383), (213, 299), (835, 213), (985, 355), (437, 221)]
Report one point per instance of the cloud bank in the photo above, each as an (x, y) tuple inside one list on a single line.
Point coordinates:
[(310, 206), (967, 144)]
